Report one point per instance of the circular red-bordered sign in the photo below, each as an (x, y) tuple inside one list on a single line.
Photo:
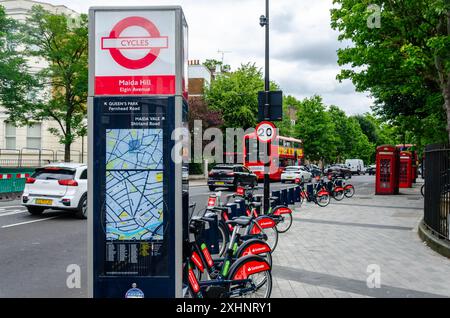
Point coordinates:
[(266, 131), (122, 59)]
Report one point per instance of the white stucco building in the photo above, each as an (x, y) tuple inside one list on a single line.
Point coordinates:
[(36, 136)]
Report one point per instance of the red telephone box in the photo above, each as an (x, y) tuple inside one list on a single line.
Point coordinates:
[(406, 170), (387, 170)]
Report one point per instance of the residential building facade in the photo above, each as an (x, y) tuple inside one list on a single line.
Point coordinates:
[(36, 140)]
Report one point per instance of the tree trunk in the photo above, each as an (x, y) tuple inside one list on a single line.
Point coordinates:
[(67, 152), (446, 92)]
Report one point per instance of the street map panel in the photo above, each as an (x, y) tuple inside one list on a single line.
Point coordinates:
[(134, 149), (134, 184)]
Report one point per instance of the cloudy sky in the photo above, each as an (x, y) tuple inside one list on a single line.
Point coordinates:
[(303, 45)]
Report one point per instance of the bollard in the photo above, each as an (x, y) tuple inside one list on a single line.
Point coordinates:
[(284, 198), (310, 190), (278, 195), (291, 196), (297, 194)]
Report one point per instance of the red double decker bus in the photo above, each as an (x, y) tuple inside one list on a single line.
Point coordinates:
[(285, 151)]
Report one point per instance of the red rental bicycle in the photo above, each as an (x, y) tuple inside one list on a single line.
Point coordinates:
[(319, 194), (247, 276)]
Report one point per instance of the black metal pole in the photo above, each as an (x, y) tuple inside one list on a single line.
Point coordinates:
[(267, 115)]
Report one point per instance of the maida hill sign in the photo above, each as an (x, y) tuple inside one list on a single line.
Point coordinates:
[(137, 53)]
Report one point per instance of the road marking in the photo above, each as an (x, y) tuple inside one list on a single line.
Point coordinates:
[(28, 222), (12, 206), (13, 212)]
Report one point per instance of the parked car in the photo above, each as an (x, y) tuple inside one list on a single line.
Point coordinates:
[(314, 169), (230, 176), (371, 170), (356, 166), (339, 170), (293, 173), (60, 186)]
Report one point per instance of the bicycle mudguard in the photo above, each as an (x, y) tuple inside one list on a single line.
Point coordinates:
[(265, 222), (281, 209), (323, 192), (338, 189), (252, 247), (193, 282), (248, 265), (348, 186)]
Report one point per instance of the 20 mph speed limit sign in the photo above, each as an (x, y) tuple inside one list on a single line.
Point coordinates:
[(266, 131)]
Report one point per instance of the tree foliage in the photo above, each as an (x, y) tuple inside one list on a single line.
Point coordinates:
[(60, 89), (235, 96), (15, 80), (315, 127), (405, 63)]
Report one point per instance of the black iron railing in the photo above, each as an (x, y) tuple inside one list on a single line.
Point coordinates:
[(437, 190)]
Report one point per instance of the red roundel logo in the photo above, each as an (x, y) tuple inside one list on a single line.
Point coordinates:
[(153, 42)]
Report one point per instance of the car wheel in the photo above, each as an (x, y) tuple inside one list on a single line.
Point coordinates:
[(81, 211), (211, 188), (35, 210)]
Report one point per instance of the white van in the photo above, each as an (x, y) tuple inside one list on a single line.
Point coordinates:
[(356, 166)]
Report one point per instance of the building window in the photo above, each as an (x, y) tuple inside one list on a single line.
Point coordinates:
[(10, 136), (34, 136)]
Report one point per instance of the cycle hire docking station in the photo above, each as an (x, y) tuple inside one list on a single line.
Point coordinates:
[(137, 99)]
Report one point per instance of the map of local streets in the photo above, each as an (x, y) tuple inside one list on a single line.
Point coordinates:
[(134, 184), (134, 149), (134, 205)]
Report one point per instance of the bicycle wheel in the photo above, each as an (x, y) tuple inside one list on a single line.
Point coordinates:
[(272, 237), (259, 284), (285, 223), (223, 240), (263, 283), (323, 200), (349, 192), (422, 190), (338, 195)]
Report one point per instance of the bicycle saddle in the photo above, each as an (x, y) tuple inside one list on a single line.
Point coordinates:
[(242, 221)]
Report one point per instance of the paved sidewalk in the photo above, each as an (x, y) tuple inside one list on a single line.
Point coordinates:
[(328, 250)]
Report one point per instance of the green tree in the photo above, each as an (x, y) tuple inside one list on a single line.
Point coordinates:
[(15, 80), (61, 90), (212, 64), (287, 125), (315, 127), (405, 63), (350, 140), (235, 95)]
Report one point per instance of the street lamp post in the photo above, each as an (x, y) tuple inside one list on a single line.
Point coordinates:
[(264, 22)]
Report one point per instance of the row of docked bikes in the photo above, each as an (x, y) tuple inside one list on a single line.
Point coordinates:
[(238, 262)]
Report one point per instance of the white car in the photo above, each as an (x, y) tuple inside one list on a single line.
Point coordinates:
[(294, 173), (60, 186)]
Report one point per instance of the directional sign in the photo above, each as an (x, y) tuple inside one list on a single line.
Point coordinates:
[(135, 53), (266, 131)]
